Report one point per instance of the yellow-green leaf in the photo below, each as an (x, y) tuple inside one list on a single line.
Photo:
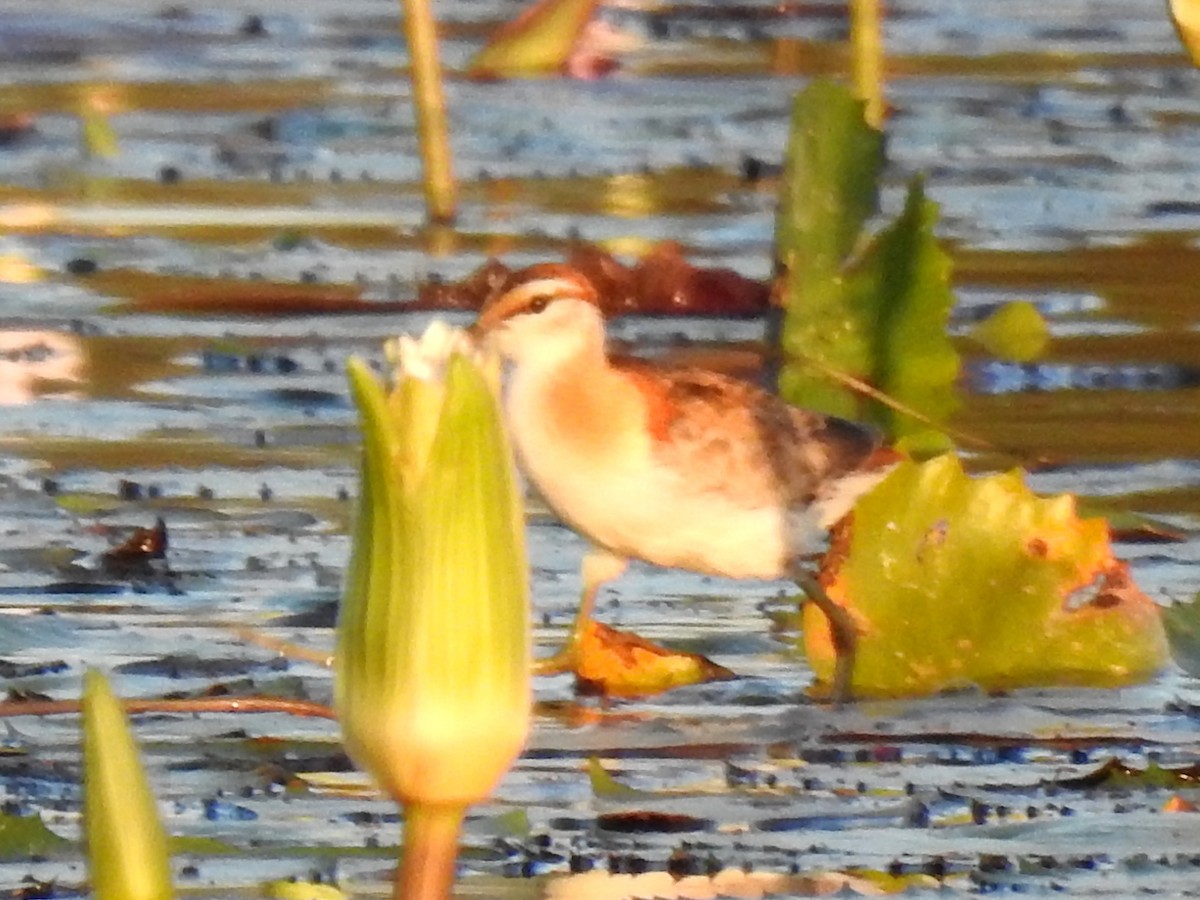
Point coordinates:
[(99, 139), (1016, 331), (301, 890), (957, 581), (872, 308), (607, 787), (127, 846), (24, 836), (1182, 621), (537, 42)]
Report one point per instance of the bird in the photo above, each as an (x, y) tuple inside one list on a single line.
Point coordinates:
[(676, 466)]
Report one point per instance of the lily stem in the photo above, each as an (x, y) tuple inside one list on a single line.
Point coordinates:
[(865, 31), (429, 852), (441, 190)]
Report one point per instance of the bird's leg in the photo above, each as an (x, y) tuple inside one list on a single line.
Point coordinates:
[(599, 566), (841, 628)]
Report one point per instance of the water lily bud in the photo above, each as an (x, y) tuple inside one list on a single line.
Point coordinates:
[(432, 678)]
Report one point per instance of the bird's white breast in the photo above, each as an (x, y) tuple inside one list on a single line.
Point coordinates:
[(606, 482)]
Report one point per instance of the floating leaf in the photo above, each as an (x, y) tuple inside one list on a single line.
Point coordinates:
[(301, 890), (199, 845), (604, 785), (537, 42), (872, 309), (24, 836), (1118, 776), (662, 282), (99, 139), (956, 581), (512, 824), (1182, 621), (615, 663), (1186, 16), (1016, 331)]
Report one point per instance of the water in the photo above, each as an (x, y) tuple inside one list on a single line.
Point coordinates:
[(174, 322)]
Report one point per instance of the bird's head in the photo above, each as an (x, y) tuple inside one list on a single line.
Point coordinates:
[(545, 311)]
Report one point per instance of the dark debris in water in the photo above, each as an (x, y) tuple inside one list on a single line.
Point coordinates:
[(648, 822), (188, 665), (10, 669), (1114, 774), (139, 553)]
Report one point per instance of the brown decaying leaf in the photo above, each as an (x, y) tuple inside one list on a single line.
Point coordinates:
[(613, 663), (662, 282), (143, 544), (139, 552)]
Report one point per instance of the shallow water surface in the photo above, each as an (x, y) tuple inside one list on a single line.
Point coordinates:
[(174, 323)]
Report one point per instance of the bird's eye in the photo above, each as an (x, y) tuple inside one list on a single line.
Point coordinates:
[(538, 304)]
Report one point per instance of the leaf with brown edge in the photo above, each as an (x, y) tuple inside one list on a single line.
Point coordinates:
[(541, 40), (957, 581), (612, 663)]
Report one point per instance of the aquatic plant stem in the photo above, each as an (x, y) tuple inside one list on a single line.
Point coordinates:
[(865, 36), (441, 191), (303, 708), (429, 852)]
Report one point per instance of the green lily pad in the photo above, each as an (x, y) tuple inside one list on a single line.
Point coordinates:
[(24, 836), (1182, 621), (607, 787), (955, 581), (1116, 775), (537, 42), (1016, 331)]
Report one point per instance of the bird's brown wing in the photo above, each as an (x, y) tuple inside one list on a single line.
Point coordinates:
[(731, 437)]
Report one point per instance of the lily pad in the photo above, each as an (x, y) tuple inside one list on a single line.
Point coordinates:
[(955, 581), (24, 836), (1182, 621), (539, 41), (615, 663), (1016, 331)]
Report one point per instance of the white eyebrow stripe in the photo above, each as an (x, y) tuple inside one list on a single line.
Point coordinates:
[(553, 287)]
